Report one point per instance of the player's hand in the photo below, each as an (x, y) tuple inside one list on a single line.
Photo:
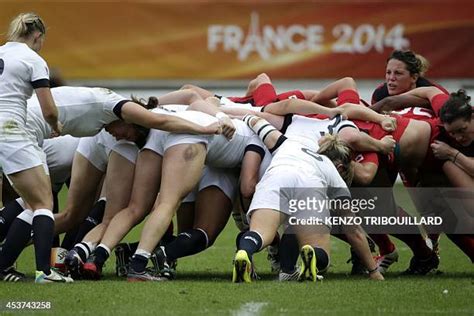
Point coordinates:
[(228, 128), (56, 129), (213, 129), (387, 144), (442, 150), (389, 124), (333, 112)]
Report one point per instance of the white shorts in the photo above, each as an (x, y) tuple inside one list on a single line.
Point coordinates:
[(225, 179), (59, 156), (97, 149), (21, 154), (282, 187), (159, 141)]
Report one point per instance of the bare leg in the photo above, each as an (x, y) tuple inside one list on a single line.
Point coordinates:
[(85, 179), (183, 162), (146, 185), (118, 184)]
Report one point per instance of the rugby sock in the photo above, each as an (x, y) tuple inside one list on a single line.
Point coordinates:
[(322, 259), (187, 243), (348, 96), (251, 242), (8, 214), (288, 252), (17, 238), (264, 94), (237, 239), (69, 239), (43, 233), (56, 241), (384, 243), (95, 218), (84, 249), (140, 260), (102, 253), (168, 237)]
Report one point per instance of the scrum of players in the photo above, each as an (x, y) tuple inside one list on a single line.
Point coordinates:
[(203, 158)]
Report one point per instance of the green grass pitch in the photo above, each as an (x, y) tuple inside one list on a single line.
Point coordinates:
[(203, 287)]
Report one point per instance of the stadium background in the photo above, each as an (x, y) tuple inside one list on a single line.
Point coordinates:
[(151, 46)]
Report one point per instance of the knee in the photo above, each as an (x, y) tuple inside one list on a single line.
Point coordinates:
[(348, 83)]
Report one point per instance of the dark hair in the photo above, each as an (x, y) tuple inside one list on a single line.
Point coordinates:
[(416, 64), (457, 106), (151, 104)]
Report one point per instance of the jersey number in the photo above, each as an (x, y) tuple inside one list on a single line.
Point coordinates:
[(312, 154), (2, 66)]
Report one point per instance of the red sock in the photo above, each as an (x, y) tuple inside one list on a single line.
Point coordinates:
[(384, 243), (348, 96), (264, 94)]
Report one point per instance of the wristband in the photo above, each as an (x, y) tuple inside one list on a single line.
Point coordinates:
[(221, 115)]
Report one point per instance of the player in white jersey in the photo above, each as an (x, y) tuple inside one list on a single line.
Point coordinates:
[(22, 70), (179, 156), (300, 171), (125, 118)]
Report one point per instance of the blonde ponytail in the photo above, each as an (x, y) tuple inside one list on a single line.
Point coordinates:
[(340, 154), (24, 25)]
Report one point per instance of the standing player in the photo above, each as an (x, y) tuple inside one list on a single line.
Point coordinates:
[(21, 71)]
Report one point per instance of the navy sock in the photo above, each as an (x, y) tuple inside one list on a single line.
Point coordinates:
[(95, 218), (237, 239), (83, 250), (187, 243), (251, 242), (322, 259), (289, 252), (138, 263), (16, 240), (7, 216), (43, 232), (101, 255)]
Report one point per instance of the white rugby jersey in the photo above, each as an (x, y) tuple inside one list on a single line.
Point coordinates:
[(300, 148), (224, 153), (21, 71), (308, 130), (196, 117), (221, 152), (296, 155), (82, 111)]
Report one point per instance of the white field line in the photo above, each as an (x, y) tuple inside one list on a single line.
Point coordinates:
[(250, 309)]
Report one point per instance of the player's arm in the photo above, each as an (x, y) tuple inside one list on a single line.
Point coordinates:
[(48, 108), (443, 151), (399, 102), (358, 240), (361, 142), (299, 106), (364, 173), (136, 114), (357, 112)]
